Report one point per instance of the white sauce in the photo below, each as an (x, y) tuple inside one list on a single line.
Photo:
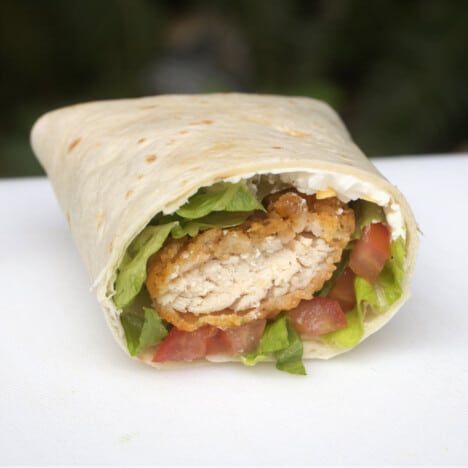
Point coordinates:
[(346, 187)]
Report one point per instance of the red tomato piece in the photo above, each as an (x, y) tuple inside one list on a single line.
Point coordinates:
[(371, 251), (218, 344), (208, 340), (184, 346), (317, 316), (245, 339), (342, 290)]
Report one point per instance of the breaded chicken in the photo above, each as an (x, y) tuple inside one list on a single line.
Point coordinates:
[(229, 277)]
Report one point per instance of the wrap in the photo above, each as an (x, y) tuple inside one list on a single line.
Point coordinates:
[(114, 165)]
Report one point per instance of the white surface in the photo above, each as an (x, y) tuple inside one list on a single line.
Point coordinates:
[(68, 395)]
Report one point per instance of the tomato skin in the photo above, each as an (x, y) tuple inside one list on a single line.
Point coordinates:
[(371, 251), (317, 316), (180, 345), (342, 290)]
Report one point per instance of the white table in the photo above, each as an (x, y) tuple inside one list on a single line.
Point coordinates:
[(68, 395)]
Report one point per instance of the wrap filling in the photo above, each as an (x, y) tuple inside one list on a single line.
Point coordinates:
[(240, 273)]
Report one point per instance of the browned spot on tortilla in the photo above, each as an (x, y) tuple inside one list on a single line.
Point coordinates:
[(141, 140), (73, 144), (151, 158), (140, 176), (99, 218), (277, 147), (222, 146), (129, 194), (202, 122), (68, 218), (111, 246), (98, 145), (183, 132), (152, 106)]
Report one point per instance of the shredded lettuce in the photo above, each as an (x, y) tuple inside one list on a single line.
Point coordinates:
[(281, 340), (142, 330)]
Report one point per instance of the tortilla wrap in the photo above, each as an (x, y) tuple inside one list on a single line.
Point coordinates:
[(115, 164)]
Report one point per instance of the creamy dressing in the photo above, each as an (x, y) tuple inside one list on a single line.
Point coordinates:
[(344, 186)]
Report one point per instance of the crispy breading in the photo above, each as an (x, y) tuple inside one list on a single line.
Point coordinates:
[(228, 277)]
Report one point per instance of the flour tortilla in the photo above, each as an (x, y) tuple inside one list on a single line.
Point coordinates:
[(115, 164)]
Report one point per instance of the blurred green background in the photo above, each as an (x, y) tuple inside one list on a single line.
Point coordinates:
[(396, 71)]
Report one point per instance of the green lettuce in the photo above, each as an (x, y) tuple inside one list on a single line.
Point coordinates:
[(380, 295), (220, 197), (349, 336), (391, 278), (132, 271), (275, 337), (142, 329), (289, 359), (281, 340)]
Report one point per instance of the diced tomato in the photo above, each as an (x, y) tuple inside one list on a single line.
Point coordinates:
[(317, 316), (184, 346), (342, 290), (218, 344), (371, 251), (245, 339), (208, 340)]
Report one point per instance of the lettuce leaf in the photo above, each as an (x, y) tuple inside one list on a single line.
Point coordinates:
[(391, 278), (289, 359), (132, 271), (349, 336), (275, 336), (280, 339), (220, 197), (142, 330)]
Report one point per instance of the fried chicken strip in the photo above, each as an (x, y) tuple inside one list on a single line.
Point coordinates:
[(229, 277)]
